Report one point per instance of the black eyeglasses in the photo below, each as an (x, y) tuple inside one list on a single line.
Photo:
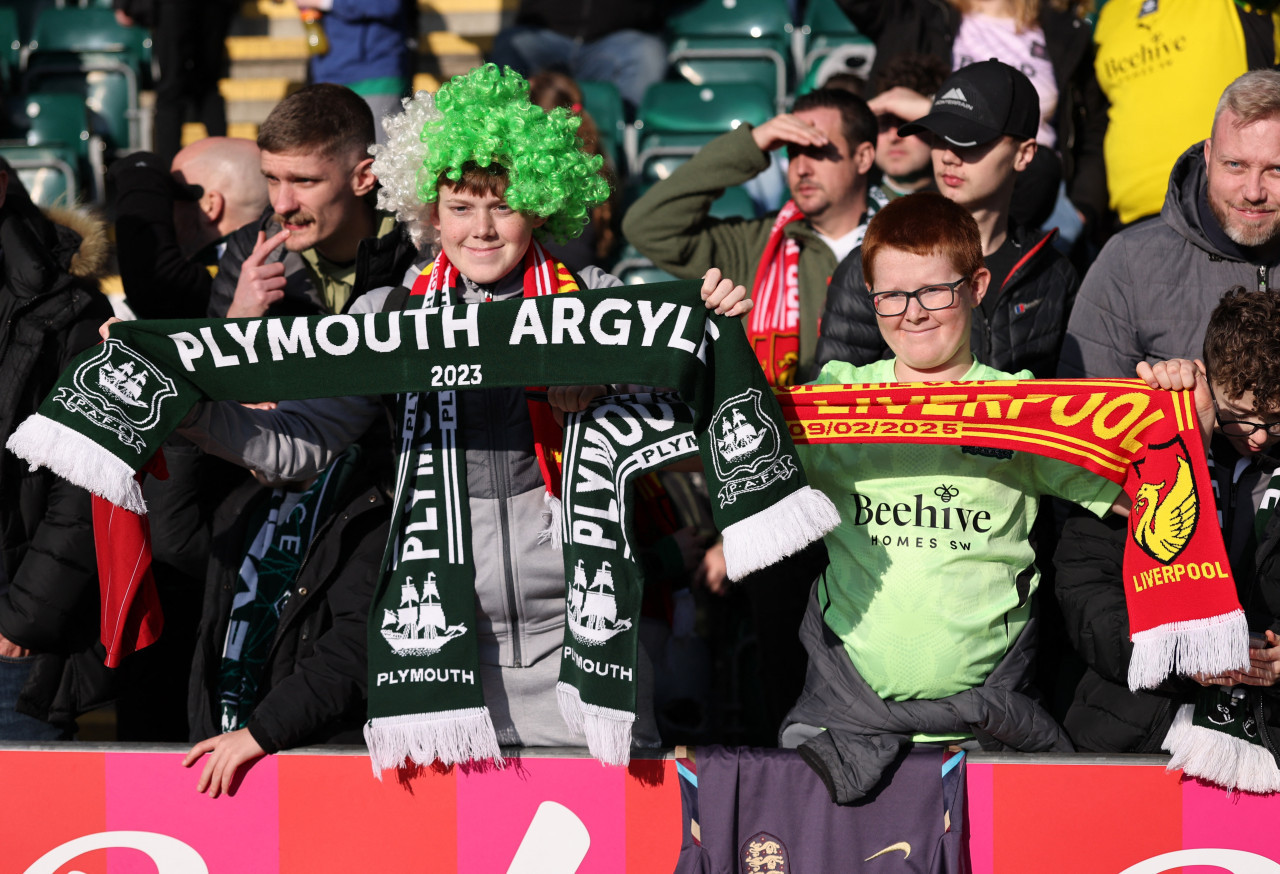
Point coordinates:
[(931, 297), (1239, 427)]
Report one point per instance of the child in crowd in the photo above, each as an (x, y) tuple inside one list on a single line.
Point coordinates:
[(908, 614), (1242, 360), (482, 174)]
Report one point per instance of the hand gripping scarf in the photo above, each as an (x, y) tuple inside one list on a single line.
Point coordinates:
[(1184, 617), (115, 403)]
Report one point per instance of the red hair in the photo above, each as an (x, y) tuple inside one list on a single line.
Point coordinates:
[(925, 223)]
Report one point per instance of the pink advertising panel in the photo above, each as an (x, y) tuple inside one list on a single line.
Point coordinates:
[(137, 812)]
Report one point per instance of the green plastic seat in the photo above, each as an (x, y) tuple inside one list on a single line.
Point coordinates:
[(61, 122), (679, 118), (86, 29), (47, 172), (58, 119), (84, 49), (721, 41), (604, 102), (734, 203), (825, 29)]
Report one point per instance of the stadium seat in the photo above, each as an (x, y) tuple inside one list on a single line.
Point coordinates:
[(634, 268), (734, 203), (83, 49), (48, 173), (721, 41), (825, 29), (604, 103), (58, 126), (678, 118)]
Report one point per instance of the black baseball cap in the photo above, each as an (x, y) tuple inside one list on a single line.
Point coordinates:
[(980, 102)]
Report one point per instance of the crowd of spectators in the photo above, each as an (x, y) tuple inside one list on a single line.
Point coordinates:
[(1016, 193)]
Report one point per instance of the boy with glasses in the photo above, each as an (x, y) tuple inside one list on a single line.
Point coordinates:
[(928, 593), (1242, 363)]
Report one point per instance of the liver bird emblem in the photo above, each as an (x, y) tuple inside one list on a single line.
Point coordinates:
[(1163, 526)]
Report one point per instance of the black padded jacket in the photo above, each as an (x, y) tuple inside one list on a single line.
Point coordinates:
[(315, 681), (50, 310)]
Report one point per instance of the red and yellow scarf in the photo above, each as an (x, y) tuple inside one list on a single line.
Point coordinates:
[(1184, 616), (774, 324)]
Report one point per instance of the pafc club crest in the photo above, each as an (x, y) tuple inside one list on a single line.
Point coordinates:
[(119, 390), (1166, 506), (745, 447)]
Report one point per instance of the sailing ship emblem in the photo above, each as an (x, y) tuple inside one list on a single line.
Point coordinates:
[(119, 389), (418, 626), (122, 383), (738, 438), (592, 609)]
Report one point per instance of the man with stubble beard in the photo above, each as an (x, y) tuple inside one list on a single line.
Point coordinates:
[(1151, 291), (321, 242)]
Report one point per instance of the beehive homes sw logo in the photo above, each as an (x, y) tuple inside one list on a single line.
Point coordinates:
[(746, 447), (119, 390)]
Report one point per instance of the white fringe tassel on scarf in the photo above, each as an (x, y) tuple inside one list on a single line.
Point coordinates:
[(553, 524), (1212, 645), (778, 531), (78, 460), (452, 736), (1219, 758), (608, 731)]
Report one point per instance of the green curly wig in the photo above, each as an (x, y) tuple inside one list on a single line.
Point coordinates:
[(485, 119)]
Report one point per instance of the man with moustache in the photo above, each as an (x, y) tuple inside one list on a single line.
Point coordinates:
[(1151, 291), (322, 241)]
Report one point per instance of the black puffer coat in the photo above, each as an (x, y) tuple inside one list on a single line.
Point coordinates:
[(316, 675), (50, 310), (1025, 328)]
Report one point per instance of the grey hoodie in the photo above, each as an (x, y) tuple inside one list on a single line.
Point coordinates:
[(1149, 295)]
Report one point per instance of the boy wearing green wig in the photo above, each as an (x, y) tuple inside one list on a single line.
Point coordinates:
[(478, 174)]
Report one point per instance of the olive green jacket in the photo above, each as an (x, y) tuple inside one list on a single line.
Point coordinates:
[(670, 225)]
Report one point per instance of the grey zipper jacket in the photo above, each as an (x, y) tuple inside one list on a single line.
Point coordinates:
[(850, 736), (1149, 294)]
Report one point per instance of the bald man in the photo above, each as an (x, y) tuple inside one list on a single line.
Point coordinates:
[(171, 222)]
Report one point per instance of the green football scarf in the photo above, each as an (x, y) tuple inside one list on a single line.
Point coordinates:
[(115, 404), (607, 449), (272, 559)]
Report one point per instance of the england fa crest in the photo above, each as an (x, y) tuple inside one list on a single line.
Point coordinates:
[(119, 390), (746, 447)]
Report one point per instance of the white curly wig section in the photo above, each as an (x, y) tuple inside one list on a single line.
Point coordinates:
[(398, 162)]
